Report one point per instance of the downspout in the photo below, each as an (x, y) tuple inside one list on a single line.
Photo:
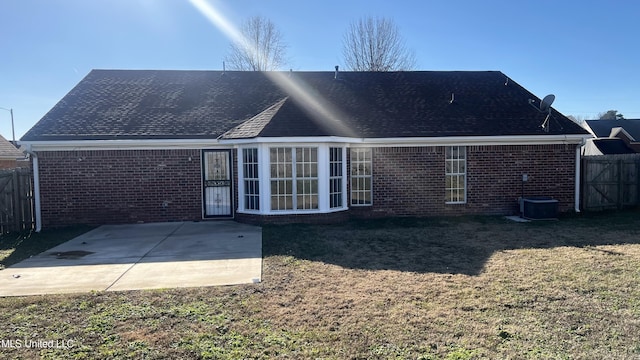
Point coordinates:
[(577, 176), (36, 189)]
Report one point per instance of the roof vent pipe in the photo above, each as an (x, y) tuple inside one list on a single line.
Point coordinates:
[(336, 75)]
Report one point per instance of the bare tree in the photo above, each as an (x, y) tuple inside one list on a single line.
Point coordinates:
[(375, 44), (261, 49)]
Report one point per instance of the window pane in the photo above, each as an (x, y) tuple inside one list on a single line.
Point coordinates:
[(367, 184), (367, 197)]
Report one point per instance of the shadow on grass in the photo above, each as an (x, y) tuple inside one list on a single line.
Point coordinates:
[(15, 247), (457, 245)]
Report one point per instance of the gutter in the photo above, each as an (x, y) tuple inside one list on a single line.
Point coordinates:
[(421, 141), (577, 177), (152, 144), (36, 188)]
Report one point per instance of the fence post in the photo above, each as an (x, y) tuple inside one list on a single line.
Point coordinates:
[(16, 201), (583, 183), (637, 184)]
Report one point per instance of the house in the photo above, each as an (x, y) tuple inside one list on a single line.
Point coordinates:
[(10, 156), (127, 146), (612, 137)]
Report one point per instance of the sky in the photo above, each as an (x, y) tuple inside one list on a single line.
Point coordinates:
[(586, 53)]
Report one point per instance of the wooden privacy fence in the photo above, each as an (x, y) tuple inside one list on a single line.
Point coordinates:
[(16, 200), (610, 181)]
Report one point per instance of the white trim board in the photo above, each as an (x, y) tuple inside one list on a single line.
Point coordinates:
[(151, 144)]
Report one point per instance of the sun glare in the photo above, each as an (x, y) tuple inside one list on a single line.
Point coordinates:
[(317, 107)]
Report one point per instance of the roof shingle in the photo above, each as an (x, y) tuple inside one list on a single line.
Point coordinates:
[(167, 104)]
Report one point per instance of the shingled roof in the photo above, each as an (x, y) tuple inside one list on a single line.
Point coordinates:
[(8, 151), (602, 128), (168, 104)]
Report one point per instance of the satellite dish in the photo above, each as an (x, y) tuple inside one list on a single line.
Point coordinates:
[(545, 105)]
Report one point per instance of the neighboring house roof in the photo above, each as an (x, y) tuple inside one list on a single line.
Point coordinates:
[(606, 146), (603, 128), (8, 151), (167, 104)]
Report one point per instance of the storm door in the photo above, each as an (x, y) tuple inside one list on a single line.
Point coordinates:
[(217, 183)]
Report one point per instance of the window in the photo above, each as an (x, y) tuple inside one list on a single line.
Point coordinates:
[(335, 178), (281, 179), (455, 174), (251, 180), (294, 178), (306, 175), (361, 176)]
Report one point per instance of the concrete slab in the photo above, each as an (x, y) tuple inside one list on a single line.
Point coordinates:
[(39, 280), (142, 256), (229, 246), (150, 274)]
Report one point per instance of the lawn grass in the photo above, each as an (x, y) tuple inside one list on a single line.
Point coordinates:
[(15, 247), (437, 288)]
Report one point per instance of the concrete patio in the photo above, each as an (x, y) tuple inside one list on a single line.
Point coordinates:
[(142, 256)]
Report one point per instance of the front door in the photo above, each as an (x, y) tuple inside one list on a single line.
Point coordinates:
[(217, 198)]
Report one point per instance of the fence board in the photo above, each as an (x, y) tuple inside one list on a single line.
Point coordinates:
[(16, 200), (610, 181)]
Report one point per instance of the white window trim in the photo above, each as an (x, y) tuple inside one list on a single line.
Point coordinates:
[(241, 179), (343, 186), (264, 175), (351, 179), (464, 201), (295, 178)]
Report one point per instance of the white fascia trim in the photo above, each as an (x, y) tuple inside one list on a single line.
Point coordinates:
[(475, 140), (150, 144), (421, 141), (287, 140)]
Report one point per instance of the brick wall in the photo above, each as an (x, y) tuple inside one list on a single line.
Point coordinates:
[(495, 176), (128, 186), (410, 181), (120, 186)]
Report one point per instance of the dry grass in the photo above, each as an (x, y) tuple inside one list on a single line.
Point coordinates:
[(448, 288)]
